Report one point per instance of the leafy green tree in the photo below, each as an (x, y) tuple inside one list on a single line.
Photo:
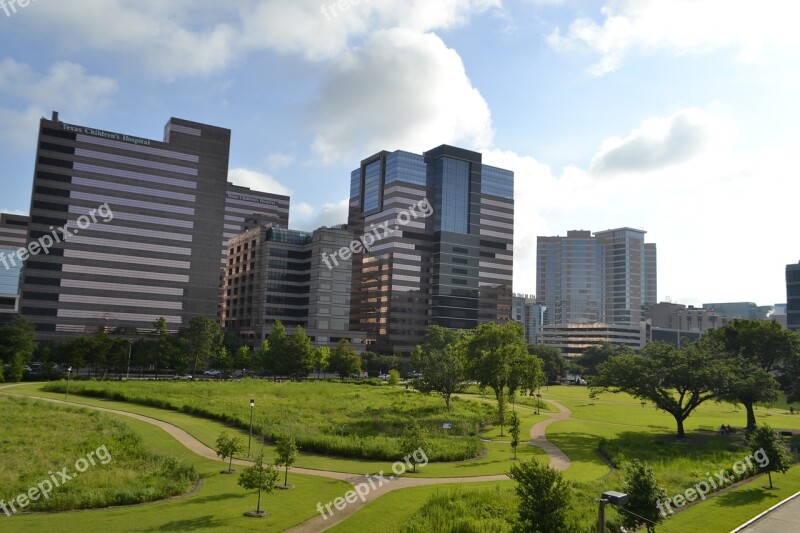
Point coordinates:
[(242, 359), (759, 348), (301, 353), (675, 380), (527, 375), (160, 348), (262, 359), (644, 494), (285, 455), (765, 440), (444, 371), (554, 364), (200, 337), (18, 337), (76, 351), (260, 477), (594, 356), (413, 438), (394, 377), (17, 368), (220, 356), (496, 355), (228, 446), (277, 358), (344, 360), (544, 498), (514, 429), (97, 357), (322, 356), (2, 369)]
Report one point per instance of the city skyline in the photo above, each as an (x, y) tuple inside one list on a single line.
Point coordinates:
[(669, 127)]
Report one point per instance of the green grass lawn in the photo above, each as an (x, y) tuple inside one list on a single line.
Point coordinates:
[(329, 418), (100, 460), (217, 506)]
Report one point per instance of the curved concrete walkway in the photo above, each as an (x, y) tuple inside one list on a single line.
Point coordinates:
[(558, 460)]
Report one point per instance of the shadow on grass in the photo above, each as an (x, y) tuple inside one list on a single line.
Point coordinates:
[(216, 498), (204, 522), (744, 497)]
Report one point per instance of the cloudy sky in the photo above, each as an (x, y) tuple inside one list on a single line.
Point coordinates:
[(679, 117)]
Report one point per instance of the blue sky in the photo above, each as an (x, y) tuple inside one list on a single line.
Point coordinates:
[(679, 117)]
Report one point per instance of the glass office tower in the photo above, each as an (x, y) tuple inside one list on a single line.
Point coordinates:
[(442, 223)]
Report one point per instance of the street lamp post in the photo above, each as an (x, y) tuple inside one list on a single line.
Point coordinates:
[(130, 347), (69, 373), (250, 438)]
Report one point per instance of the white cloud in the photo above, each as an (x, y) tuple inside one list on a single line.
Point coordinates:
[(183, 38), (257, 181), (65, 87), (723, 219), (401, 90), (306, 217), (680, 26)]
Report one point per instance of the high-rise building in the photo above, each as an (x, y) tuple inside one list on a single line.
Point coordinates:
[(155, 248), (793, 297), (443, 254), (745, 310), (279, 274), (246, 208), (530, 314), (609, 277), (13, 236)]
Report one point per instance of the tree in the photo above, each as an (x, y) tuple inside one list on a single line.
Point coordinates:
[(228, 446), (76, 351), (285, 455), (220, 356), (644, 496), (594, 356), (300, 352), (259, 477), (17, 368), (553, 363), (101, 345), (200, 338), (495, 353), (676, 380), (444, 371), (513, 429), (2, 378), (242, 359), (544, 498), (344, 360), (527, 376), (322, 355), (394, 377), (18, 337), (277, 356), (262, 356), (413, 438), (759, 348), (768, 448)]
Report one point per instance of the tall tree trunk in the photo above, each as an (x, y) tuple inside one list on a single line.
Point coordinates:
[(258, 507), (769, 475), (681, 432), (286, 477), (751, 415)]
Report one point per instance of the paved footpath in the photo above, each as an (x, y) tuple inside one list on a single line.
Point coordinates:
[(783, 517), (558, 460)]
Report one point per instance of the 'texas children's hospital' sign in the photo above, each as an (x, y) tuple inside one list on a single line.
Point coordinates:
[(106, 135)]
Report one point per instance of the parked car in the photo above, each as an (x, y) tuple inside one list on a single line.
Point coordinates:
[(184, 377), (384, 377), (212, 373)]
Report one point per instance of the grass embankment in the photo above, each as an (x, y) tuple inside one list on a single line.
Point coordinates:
[(326, 418), (40, 439)]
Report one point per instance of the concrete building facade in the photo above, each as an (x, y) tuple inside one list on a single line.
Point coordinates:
[(13, 236), (530, 314), (793, 297)]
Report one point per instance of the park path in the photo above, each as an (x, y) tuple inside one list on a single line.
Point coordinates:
[(558, 460)]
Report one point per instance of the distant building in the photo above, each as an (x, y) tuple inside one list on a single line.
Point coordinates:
[(680, 317), (246, 208), (573, 339), (530, 314), (13, 236), (746, 310), (279, 274), (609, 277), (793, 297), (450, 265)]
